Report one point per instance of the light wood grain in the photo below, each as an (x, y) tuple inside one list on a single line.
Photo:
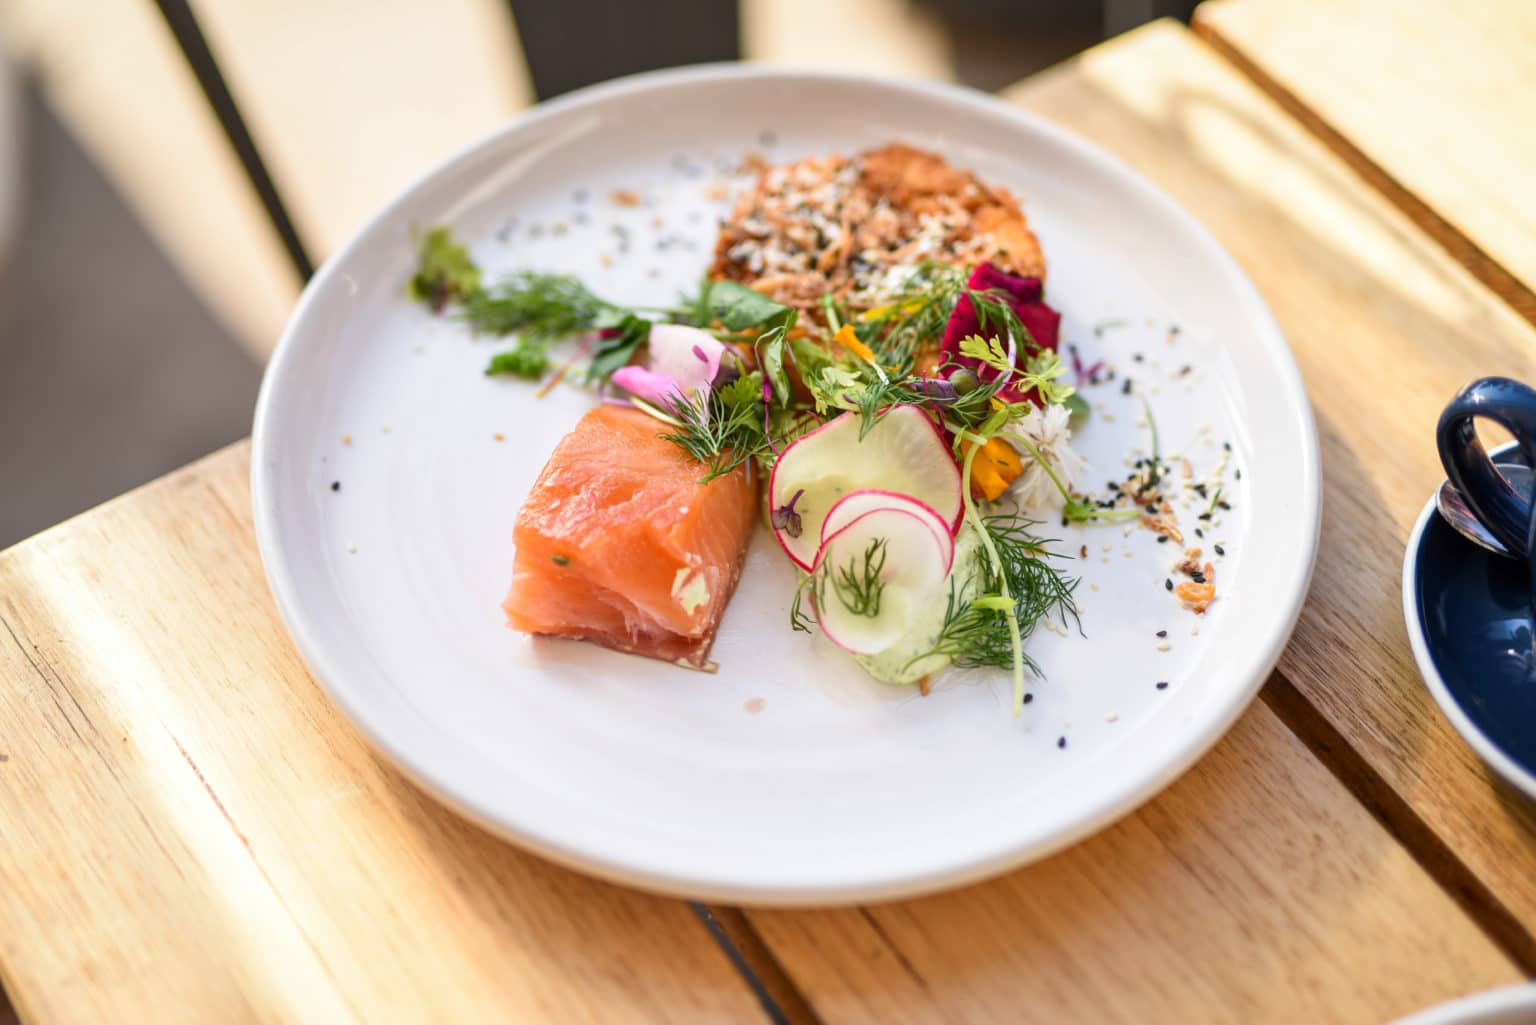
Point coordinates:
[(1256, 890), (113, 74), (1385, 326), (189, 832), (1438, 101)]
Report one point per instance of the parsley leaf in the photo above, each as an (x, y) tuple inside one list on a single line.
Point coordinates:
[(444, 271), (527, 360)]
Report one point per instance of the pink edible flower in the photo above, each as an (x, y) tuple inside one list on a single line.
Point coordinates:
[(683, 363)]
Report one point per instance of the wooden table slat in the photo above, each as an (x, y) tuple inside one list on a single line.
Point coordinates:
[(1433, 104), (183, 813)]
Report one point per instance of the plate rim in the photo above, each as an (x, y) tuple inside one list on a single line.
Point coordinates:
[(966, 867), (1492, 755), (1517, 996)]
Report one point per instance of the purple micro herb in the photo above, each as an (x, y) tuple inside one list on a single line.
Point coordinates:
[(939, 390), (786, 519)]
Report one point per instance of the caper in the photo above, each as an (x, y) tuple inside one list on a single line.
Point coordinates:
[(965, 381)]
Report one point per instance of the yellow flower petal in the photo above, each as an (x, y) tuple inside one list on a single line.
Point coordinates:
[(850, 341)]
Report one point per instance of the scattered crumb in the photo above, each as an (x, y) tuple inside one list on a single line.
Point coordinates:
[(1105, 560), (346, 439), (658, 223), (1093, 586), (499, 436), (1194, 629), (605, 259), (384, 429), (753, 705), (717, 192), (624, 197), (418, 349), (925, 686), (351, 549)]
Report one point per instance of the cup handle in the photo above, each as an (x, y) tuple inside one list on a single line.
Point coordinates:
[(1505, 512)]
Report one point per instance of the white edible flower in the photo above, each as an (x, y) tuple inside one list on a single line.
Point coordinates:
[(1045, 429)]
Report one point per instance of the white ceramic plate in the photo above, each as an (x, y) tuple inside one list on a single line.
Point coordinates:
[(1510, 1005), (789, 777)]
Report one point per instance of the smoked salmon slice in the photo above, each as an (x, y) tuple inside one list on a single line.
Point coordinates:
[(619, 543)]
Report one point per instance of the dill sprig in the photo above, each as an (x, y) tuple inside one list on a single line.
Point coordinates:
[(540, 307), (913, 318), (976, 632), (720, 430), (858, 585)]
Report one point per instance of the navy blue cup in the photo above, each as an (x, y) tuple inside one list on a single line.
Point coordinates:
[(1498, 506)]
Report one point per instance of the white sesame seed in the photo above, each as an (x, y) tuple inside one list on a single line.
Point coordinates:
[(1109, 548), (1194, 629), (1093, 587), (351, 549), (1112, 717), (1130, 555), (1105, 560), (1163, 646)]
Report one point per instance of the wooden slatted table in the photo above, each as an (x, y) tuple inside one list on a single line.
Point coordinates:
[(189, 832)]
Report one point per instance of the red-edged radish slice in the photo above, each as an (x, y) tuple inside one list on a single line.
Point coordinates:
[(875, 578), (903, 452), (856, 503)]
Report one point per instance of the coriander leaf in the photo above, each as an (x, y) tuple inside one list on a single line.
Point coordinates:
[(989, 351), (527, 360), (1077, 407), (444, 271), (618, 345)]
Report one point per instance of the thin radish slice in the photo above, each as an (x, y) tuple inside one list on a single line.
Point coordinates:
[(903, 452), (873, 579), (856, 503)]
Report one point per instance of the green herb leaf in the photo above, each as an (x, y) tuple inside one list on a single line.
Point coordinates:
[(989, 351), (739, 307), (527, 360), (616, 350), (444, 271)]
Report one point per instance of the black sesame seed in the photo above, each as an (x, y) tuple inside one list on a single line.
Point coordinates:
[(1061, 741), (1125, 389), (1227, 445), (1138, 357), (335, 485), (1224, 505), (1162, 633), (1220, 550), (1198, 578), (1162, 539), (1168, 583), (1063, 519), (1028, 697), (561, 560), (1185, 369), (1199, 533), (1162, 684), (1204, 516), (1238, 473)]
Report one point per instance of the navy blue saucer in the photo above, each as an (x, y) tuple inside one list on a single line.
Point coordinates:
[(1476, 632)]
